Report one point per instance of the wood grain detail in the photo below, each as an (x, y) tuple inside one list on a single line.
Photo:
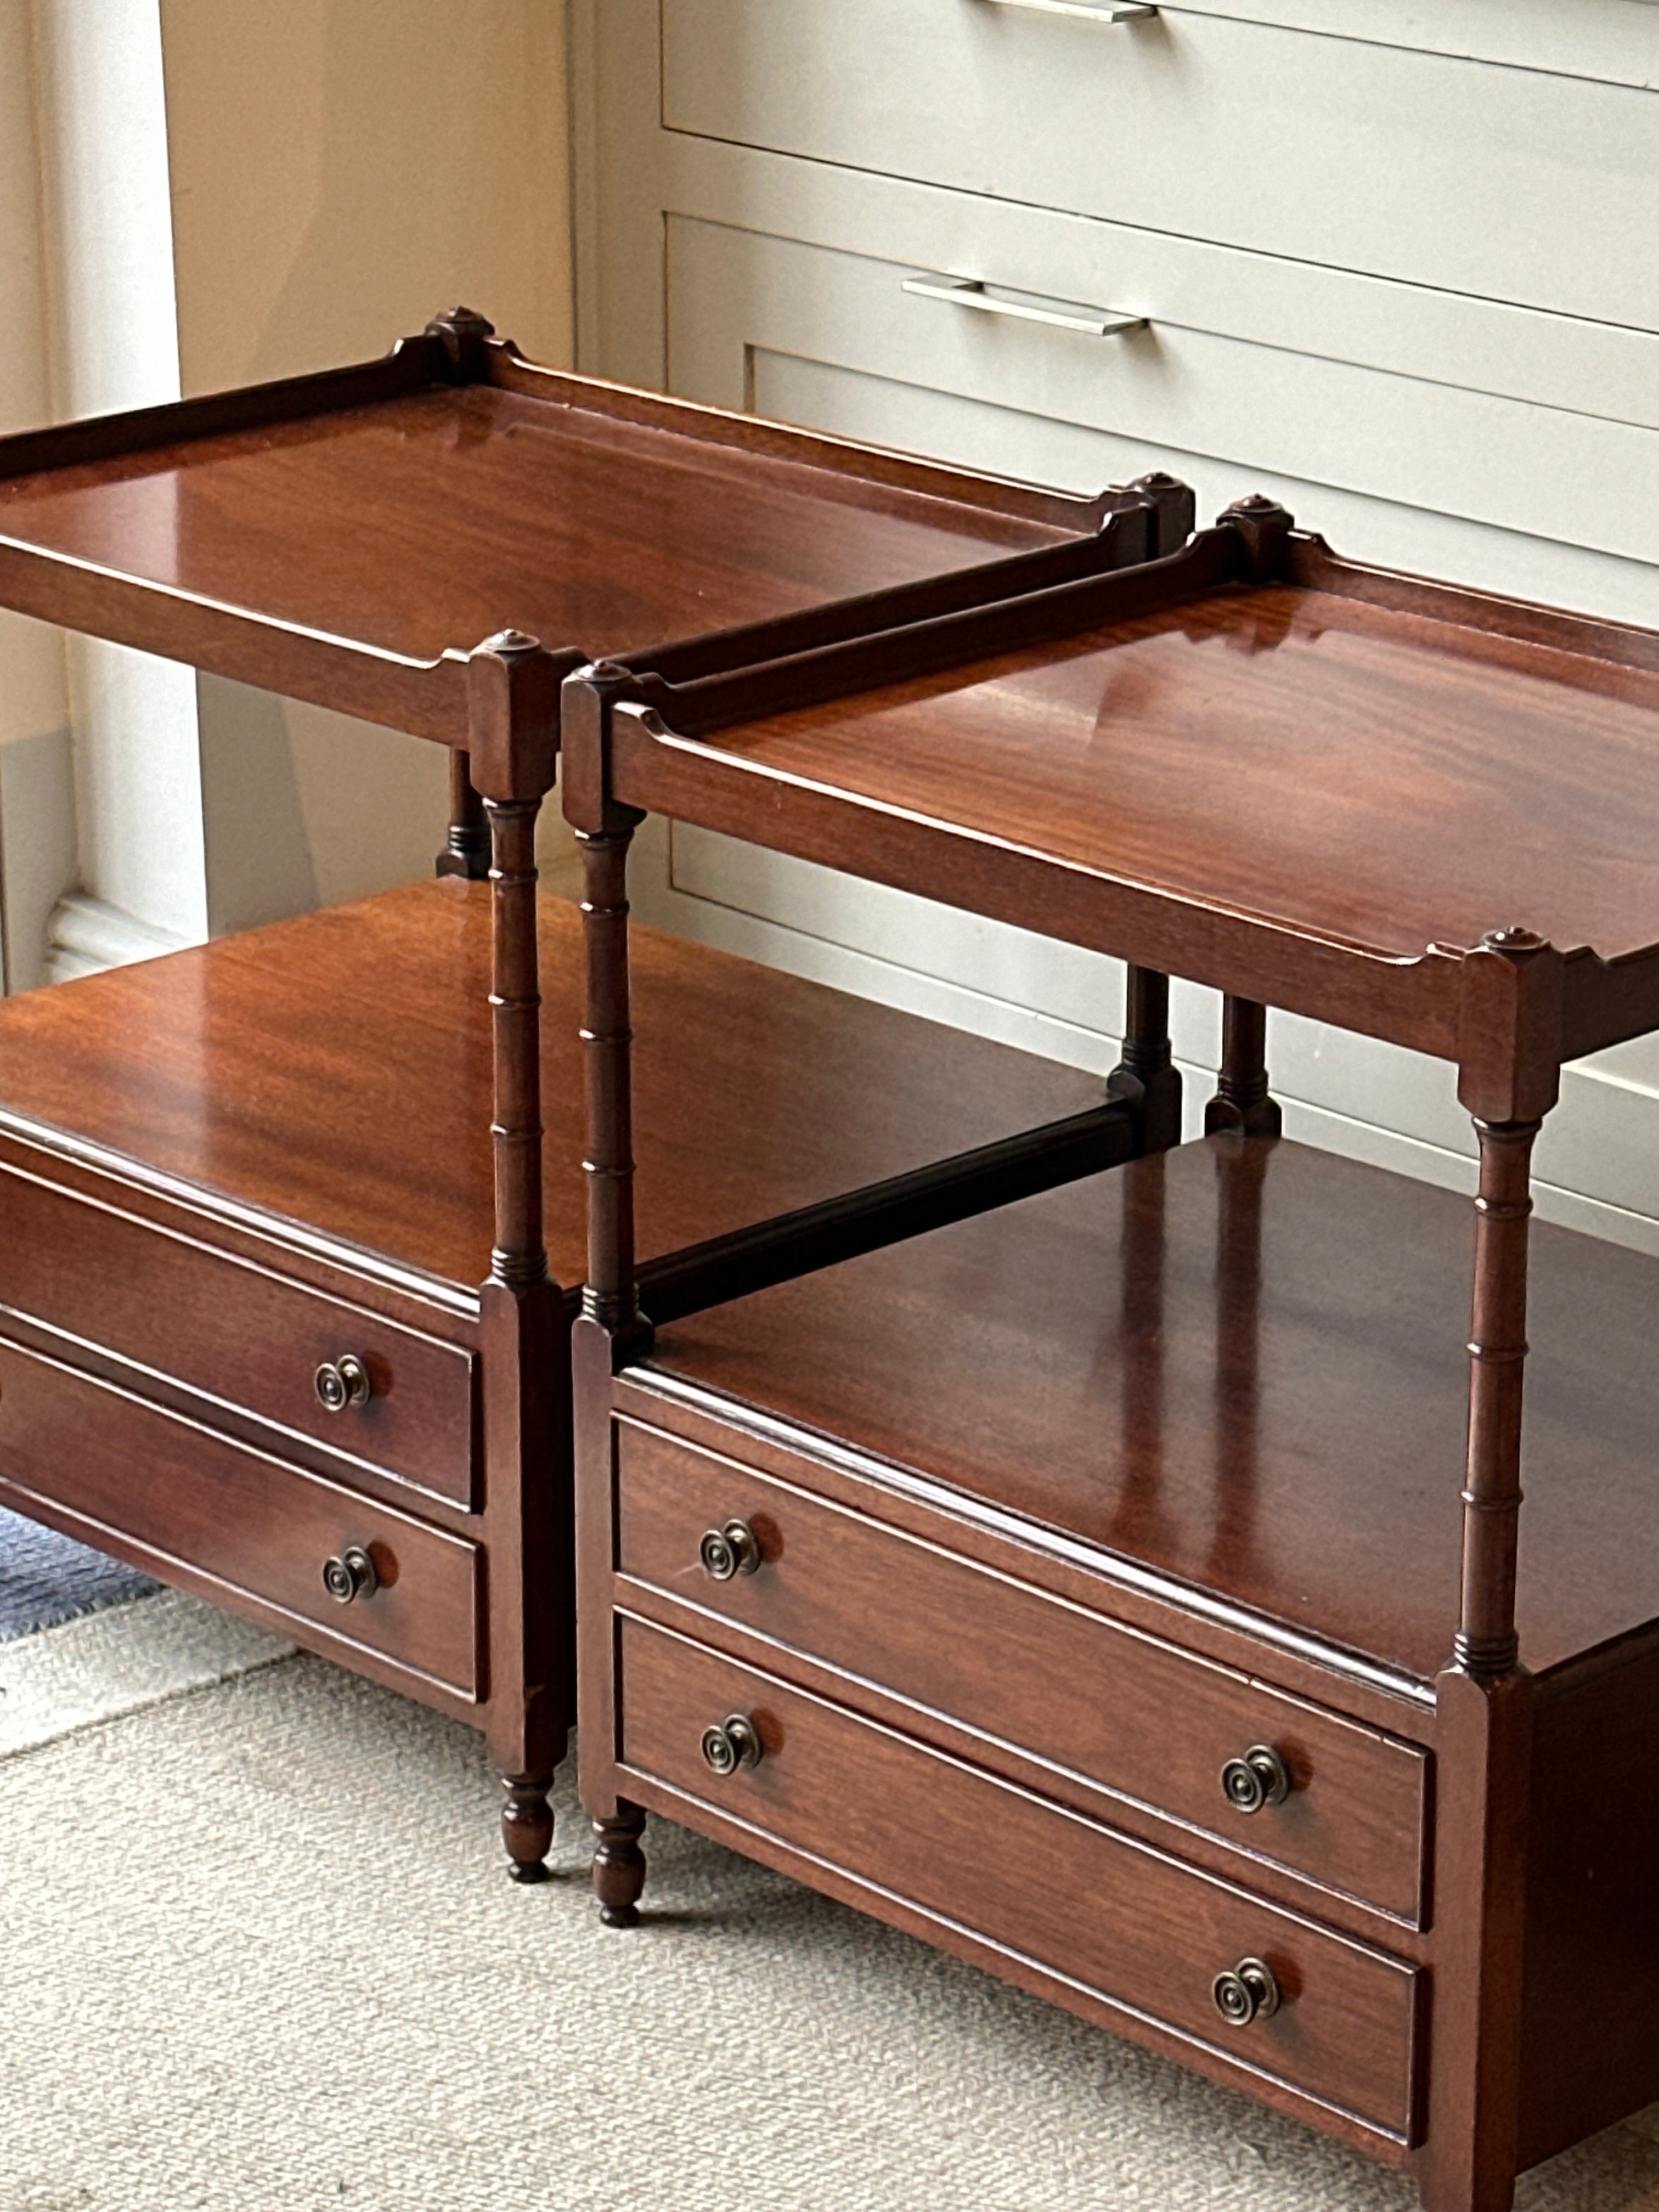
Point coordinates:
[(1085, 1694), (1109, 1919), (131, 1475), (241, 1335), (335, 1072), (1304, 1433)]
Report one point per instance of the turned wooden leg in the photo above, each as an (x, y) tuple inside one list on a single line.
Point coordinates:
[(1146, 1075), (619, 1866), (528, 1825), (1483, 1733), (1243, 1106), (467, 849)]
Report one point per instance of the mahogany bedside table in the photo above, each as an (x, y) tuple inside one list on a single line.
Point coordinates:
[(1128, 1587), (271, 1323)]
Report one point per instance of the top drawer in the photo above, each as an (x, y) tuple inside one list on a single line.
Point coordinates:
[(224, 1327), (1508, 183)]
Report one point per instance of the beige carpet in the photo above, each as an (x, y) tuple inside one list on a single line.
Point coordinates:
[(258, 1953)]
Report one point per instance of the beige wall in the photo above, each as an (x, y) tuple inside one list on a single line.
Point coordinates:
[(341, 170)]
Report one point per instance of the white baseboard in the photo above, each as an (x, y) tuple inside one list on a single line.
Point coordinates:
[(86, 935)]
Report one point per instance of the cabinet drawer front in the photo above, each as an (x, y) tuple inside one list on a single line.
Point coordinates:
[(1421, 166), (1242, 375), (1071, 1689), (247, 1338), (1119, 1921), (262, 1530)]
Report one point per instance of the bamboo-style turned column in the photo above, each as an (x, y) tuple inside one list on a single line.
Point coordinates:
[(609, 1296), (1242, 1105), (520, 1258), (1146, 1074), (466, 848), (1487, 1643)]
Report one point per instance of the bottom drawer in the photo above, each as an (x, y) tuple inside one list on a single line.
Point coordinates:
[(250, 1523), (1117, 1921)]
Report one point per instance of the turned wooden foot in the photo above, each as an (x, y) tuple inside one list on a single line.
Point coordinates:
[(528, 1825), (619, 1867)]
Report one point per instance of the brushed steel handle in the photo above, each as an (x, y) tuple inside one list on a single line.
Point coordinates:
[(733, 1742), (970, 292), (351, 1576), (1260, 1778), (1248, 1991), (1106, 15), (342, 1382), (731, 1549)]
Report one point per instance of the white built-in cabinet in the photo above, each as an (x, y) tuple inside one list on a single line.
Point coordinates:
[(1394, 262)]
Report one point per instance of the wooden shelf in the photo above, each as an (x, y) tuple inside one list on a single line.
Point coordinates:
[(350, 538), (334, 1073), (1238, 1365), (1321, 790)]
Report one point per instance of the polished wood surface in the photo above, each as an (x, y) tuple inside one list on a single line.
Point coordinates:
[(1308, 783), (335, 1071), (423, 523), (235, 1525), (1237, 1381), (1590, 2035), (350, 537), (1123, 1925), (243, 1335), (1284, 1428), (1084, 1697), (1367, 776)]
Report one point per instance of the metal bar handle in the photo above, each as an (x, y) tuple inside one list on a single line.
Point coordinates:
[(1123, 15), (969, 292)]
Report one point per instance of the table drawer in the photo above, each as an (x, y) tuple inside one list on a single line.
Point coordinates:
[(252, 1525), (1072, 1689), (245, 1337), (1121, 1923), (1444, 171)]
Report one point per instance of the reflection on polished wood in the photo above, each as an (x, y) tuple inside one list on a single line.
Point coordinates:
[(1311, 784), (1300, 1461), (350, 537), (335, 1071), (459, 511), (1375, 776)]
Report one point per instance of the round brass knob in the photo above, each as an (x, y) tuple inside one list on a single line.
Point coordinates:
[(1247, 1991), (731, 1549), (1260, 1778), (734, 1743), (342, 1382), (350, 1575)]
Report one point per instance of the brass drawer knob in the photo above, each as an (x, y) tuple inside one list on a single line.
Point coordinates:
[(1260, 1778), (1247, 1991), (342, 1382), (731, 1549), (734, 1743), (350, 1575)]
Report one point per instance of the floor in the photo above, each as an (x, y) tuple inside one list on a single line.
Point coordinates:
[(257, 1952), (46, 1578)]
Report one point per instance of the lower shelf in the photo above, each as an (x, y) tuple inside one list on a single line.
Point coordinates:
[(246, 1204), (1238, 1367)]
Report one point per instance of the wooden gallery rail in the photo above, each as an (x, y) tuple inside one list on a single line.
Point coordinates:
[(274, 1322), (1085, 1586)]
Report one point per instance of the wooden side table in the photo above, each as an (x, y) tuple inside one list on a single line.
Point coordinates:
[(283, 1248), (1128, 1588)]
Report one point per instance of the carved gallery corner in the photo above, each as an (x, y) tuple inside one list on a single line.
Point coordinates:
[(1099, 1555)]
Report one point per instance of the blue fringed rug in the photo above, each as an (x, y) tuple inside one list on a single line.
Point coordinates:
[(46, 1578)]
